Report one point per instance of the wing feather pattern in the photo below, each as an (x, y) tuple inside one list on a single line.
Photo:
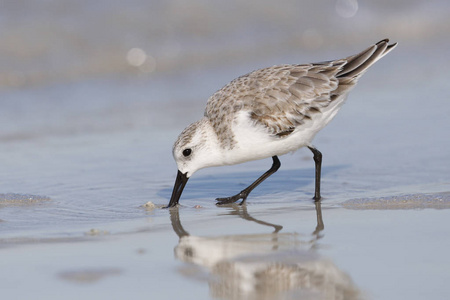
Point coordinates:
[(283, 97)]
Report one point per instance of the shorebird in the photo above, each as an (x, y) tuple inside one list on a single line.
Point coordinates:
[(268, 113)]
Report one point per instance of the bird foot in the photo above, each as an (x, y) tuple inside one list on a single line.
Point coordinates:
[(232, 199)]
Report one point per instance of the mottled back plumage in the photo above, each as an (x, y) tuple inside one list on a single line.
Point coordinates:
[(285, 96)]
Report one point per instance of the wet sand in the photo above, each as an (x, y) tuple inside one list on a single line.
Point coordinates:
[(87, 167)]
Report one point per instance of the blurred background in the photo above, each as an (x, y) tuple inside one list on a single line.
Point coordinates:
[(45, 42), (77, 66)]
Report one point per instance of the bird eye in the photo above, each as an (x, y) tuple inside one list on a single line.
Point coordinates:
[(187, 152)]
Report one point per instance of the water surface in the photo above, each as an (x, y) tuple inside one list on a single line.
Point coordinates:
[(88, 126)]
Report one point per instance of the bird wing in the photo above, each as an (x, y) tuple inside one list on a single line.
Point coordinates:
[(279, 98), (284, 97)]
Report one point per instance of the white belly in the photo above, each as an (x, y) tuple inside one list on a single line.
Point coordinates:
[(254, 142)]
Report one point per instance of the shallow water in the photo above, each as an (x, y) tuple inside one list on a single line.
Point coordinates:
[(86, 142)]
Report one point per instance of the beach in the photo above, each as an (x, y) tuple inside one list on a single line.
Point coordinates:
[(93, 97)]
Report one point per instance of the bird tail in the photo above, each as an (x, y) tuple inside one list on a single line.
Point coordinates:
[(356, 65)]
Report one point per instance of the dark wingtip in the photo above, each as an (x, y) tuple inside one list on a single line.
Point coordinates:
[(357, 64), (383, 41), (389, 47)]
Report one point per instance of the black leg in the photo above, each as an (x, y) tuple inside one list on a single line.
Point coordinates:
[(245, 192), (318, 161)]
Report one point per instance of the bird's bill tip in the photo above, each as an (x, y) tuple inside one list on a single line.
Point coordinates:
[(178, 187)]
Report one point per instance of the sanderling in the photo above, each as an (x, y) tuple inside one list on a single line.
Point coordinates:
[(267, 113)]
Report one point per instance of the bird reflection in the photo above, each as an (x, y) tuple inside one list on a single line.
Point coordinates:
[(241, 211), (262, 266)]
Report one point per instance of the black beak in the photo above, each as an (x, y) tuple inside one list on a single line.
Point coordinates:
[(180, 182)]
